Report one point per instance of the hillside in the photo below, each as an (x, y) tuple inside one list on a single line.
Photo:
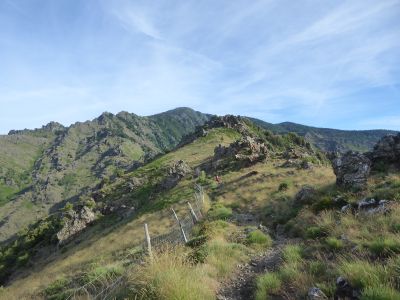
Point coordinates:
[(330, 140), (278, 223), (147, 190), (42, 169)]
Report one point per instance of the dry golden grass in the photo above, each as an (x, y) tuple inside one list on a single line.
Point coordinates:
[(253, 192)]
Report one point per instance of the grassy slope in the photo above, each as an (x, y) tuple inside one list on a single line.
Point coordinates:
[(361, 248), (17, 156), (80, 157), (120, 237), (244, 194)]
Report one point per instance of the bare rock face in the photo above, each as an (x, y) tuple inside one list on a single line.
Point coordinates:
[(76, 222), (175, 173), (306, 195), (247, 150), (387, 150), (352, 170)]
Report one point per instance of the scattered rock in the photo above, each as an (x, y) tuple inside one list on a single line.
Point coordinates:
[(76, 222), (352, 170), (306, 195), (372, 206), (368, 206), (315, 293), (344, 290)]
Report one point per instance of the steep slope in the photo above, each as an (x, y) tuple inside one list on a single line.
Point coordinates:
[(332, 140), (60, 164)]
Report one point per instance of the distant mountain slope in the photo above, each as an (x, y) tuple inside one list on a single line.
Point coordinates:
[(60, 163), (330, 139)]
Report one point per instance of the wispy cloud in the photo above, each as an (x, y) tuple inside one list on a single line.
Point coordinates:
[(304, 61)]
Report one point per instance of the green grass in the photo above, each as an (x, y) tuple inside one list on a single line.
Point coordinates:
[(363, 274), (381, 292), (384, 245), (170, 276), (6, 193), (292, 254), (334, 244), (268, 283), (219, 211), (314, 232), (260, 238)]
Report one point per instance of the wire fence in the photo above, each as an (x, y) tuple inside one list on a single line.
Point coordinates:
[(103, 288)]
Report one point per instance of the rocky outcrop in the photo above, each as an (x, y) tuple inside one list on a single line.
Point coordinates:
[(368, 206), (228, 121), (387, 150), (306, 195), (175, 173), (345, 291), (352, 170), (75, 223), (247, 150)]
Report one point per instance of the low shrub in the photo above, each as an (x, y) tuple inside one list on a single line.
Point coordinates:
[(283, 186)]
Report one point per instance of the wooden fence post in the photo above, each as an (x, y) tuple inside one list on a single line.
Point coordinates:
[(148, 241), (193, 213), (180, 225)]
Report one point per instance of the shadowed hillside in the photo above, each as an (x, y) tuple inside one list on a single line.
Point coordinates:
[(332, 140)]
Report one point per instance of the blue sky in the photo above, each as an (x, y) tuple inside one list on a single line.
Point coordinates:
[(332, 63)]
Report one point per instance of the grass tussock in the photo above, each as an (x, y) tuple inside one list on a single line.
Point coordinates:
[(257, 237), (171, 275), (269, 283)]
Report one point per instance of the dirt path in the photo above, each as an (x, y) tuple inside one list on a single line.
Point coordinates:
[(242, 285)]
